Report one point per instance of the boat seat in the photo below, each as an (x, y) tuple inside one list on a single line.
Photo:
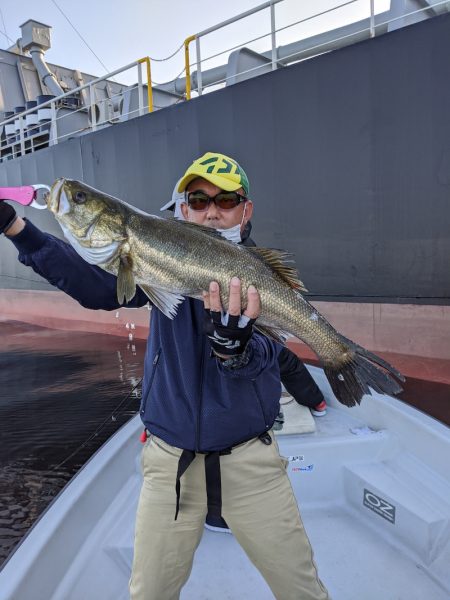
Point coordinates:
[(404, 499)]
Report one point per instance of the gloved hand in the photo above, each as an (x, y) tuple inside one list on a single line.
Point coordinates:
[(230, 332), (7, 216)]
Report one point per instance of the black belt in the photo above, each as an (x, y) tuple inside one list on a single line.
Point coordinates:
[(212, 475)]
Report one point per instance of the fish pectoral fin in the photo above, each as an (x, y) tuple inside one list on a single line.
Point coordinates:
[(274, 333), (166, 302), (126, 285), (278, 261)]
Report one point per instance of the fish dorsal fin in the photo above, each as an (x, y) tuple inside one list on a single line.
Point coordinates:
[(166, 302), (278, 261), (195, 226)]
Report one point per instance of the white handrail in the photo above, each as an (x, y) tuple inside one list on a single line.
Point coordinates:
[(71, 92), (17, 144), (296, 53), (269, 4), (372, 18), (273, 36), (260, 37), (238, 17)]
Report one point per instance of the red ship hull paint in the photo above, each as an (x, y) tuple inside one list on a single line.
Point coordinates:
[(414, 338)]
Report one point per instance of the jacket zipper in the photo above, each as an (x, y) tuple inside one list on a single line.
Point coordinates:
[(261, 405), (150, 383), (197, 441)]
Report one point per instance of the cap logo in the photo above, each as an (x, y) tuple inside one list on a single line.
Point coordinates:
[(217, 166), (213, 168), (226, 169)]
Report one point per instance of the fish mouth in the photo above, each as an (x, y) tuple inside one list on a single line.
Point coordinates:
[(54, 198)]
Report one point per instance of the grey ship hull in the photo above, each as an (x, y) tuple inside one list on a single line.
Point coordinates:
[(349, 163)]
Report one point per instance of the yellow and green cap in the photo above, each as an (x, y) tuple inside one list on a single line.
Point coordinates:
[(220, 170)]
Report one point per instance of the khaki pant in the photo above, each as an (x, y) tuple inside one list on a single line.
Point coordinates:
[(257, 503)]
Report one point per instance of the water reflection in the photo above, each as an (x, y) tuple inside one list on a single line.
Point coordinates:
[(58, 390)]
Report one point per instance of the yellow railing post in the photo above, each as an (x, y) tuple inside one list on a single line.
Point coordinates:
[(146, 59), (187, 41)]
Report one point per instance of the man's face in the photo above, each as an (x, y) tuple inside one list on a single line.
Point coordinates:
[(214, 216)]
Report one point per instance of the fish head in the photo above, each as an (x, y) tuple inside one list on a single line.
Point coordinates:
[(93, 222)]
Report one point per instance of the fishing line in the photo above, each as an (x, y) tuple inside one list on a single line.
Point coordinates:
[(22, 279), (80, 36), (4, 32), (111, 417)]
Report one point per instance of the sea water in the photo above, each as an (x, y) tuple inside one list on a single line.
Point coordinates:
[(62, 395)]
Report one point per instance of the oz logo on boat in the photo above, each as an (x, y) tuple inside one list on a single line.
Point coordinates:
[(380, 506)]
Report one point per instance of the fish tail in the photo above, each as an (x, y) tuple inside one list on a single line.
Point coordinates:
[(360, 371)]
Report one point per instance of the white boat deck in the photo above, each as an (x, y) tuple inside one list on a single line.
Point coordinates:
[(384, 453)]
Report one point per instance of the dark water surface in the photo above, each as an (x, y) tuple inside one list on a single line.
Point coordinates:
[(62, 395)]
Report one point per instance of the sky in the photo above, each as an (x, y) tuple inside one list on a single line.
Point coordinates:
[(119, 33)]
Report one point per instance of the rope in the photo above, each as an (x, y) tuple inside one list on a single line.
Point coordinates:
[(170, 80), (167, 57)]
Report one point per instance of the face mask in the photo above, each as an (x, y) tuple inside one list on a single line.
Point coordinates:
[(233, 234)]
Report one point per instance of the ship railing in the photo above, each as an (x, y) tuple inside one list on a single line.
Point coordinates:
[(197, 80), (377, 21), (58, 120)]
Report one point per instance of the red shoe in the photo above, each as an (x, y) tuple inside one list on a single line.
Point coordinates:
[(320, 410)]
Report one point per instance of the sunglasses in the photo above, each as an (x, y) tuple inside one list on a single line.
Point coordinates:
[(200, 201)]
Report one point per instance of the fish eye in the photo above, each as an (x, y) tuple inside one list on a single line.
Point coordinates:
[(80, 197)]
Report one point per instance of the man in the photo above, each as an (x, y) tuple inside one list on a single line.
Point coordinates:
[(210, 397), (293, 373)]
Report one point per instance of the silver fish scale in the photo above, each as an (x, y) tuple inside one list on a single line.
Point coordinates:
[(184, 259)]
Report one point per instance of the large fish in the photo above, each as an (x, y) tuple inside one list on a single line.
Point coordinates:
[(171, 259)]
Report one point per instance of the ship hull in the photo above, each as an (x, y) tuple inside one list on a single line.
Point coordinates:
[(348, 160)]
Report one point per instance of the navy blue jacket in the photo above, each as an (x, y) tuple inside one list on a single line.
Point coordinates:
[(189, 399)]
